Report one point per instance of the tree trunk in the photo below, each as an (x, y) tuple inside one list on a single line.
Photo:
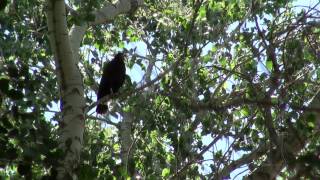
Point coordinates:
[(127, 144), (71, 91)]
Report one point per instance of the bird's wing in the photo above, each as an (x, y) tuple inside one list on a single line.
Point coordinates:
[(105, 83)]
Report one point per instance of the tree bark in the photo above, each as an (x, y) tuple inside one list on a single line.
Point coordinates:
[(71, 90), (127, 145)]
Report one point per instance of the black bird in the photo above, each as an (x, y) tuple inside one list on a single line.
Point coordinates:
[(113, 76)]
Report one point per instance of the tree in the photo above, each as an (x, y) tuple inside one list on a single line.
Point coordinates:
[(213, 87)]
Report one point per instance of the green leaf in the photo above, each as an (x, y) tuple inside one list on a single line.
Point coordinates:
[(269, 65), (202, 12), (165, 172), (311, 124), (245, 111), (121, 45)]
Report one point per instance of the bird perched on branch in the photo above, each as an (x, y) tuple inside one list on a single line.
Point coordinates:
[(112, 79)]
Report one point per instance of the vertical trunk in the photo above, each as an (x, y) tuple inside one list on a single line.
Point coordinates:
[(71, 90), (126, 144)]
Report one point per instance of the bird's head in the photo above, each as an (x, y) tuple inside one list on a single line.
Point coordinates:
[(120, 56)]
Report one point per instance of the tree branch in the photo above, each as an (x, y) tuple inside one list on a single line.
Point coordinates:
[(293, 144)]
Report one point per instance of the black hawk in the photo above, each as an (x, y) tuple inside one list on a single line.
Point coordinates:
[(113, 76)]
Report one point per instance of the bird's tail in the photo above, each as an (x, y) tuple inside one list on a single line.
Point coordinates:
[(102, 108)]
